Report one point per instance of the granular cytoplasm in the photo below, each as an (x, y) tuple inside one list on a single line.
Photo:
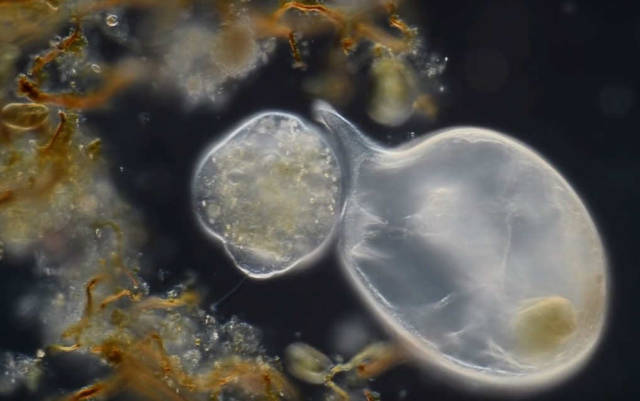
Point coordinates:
[(270, 191), (474, 251)]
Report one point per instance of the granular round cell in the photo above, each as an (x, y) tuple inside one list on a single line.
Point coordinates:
[(475, 252), (270, 191)]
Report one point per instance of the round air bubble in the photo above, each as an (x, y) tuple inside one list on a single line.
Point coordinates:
[(475, 252), (270, 192)]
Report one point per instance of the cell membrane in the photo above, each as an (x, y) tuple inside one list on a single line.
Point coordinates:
[(474, 251), (270, 192), (470, 247)]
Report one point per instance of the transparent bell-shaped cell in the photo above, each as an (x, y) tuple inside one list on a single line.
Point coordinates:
[(271, 192), (474, 251)]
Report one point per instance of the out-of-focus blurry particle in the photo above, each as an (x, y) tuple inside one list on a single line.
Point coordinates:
[(96, 68), (307, 363), (24, 115), (394, 93), (335, 87), (144, 118), (235, 50), (111, 20), (426, 105), (93, 149), (569, 7)]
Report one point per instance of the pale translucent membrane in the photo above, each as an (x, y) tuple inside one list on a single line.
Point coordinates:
[(271, 192), (475, 252)]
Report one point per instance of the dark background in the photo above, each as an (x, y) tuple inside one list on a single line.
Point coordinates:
[(560, 76)]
